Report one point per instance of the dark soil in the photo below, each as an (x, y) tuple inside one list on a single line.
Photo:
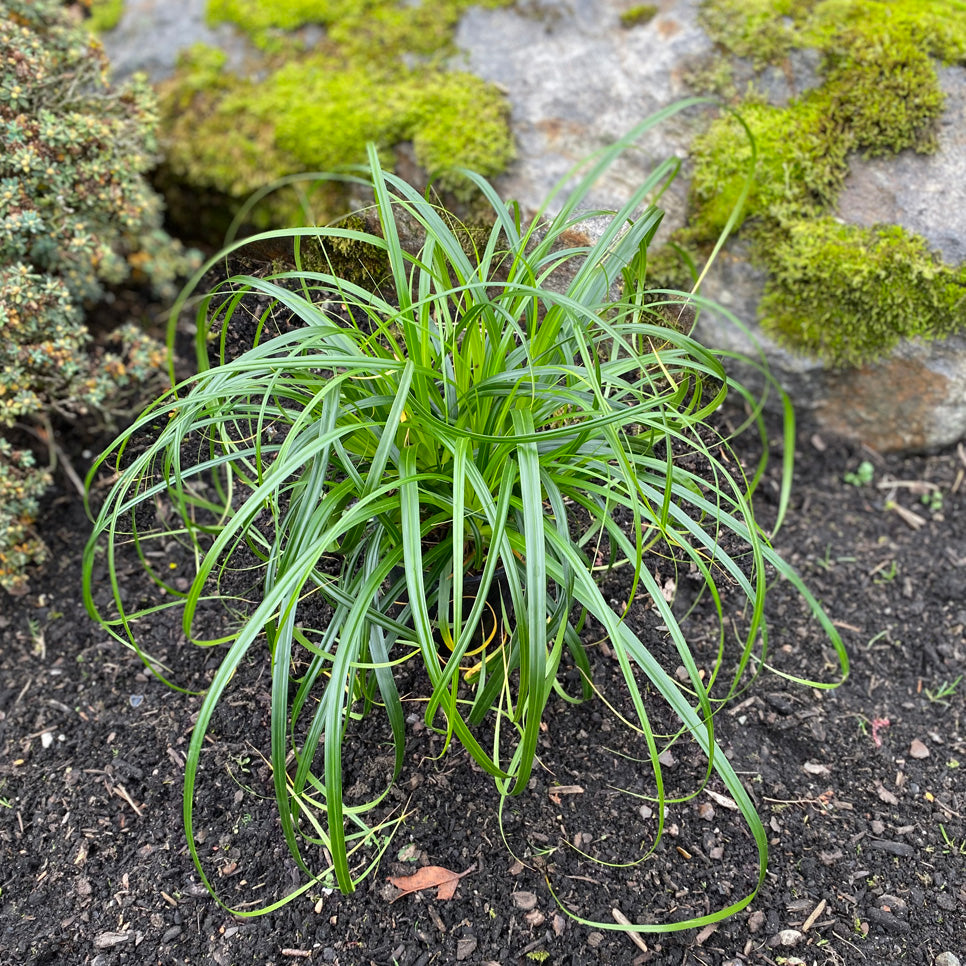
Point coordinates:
[(860, 788)]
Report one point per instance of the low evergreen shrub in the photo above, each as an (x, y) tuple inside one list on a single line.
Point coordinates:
[(76, 217)]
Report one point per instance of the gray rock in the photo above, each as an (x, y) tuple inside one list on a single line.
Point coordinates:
[(925, 193), (947, 959), (577, 80), (152, 33)]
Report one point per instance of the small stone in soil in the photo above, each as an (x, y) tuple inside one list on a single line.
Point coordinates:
[(918, 750), (465, 947), (947, 959), (787, 937), (524, 900)]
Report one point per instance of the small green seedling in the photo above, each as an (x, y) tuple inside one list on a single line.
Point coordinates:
[(887, 573), (951, 845), (933, 501), (945, 690), (862, 476)]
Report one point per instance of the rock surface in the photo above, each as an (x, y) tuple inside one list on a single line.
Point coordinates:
[(152, 33), (577, 79)]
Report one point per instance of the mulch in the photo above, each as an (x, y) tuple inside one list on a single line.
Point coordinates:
[(861, 788)]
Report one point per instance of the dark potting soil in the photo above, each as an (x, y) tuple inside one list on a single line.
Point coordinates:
[(861, 788)]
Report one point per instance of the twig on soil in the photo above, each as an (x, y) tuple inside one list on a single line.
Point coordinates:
[(813, 917), (632, 936), (123, 792), (912, 520)]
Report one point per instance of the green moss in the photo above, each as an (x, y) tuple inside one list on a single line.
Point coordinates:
[(883, 93), (847, 294), (105, 14), (879, 94), (369, 27), (636, 16), (760, 30), (379, 75), (258, 17), (801, 165)]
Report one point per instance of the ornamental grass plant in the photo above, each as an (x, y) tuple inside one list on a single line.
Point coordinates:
[(409, 447)]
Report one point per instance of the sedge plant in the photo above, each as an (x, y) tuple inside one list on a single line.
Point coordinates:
[(468, 413)]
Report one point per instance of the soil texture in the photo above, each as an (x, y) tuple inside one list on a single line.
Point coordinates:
[(861, 788)]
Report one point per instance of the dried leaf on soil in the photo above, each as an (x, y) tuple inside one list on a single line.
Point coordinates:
[(430, 877)]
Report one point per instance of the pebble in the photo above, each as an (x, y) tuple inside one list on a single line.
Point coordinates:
[(465, 948), (787, 937), (947, 959), (108, 939), (918, 750), (524, 900), (888, 921)]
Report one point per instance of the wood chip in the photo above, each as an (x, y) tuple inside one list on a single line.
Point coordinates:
[(886, 796), (816, 768), (108, 939), (632, 936), (723, 800), (557, 790), (706, 933), (910, 519), (465, 947), (902, 849), (811, 920)]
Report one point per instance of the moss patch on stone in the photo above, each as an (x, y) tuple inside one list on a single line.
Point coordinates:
[(879, 94), (105, 14), (848, 294), (378, 74), (637, 15)]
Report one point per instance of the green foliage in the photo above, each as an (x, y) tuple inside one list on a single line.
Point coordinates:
[(357, 27), (862, 475), (105, 14), (380, 75), (477, 419), (847, 294), (879, 94), (21, 485), (76, 216), (801, 166), (638, 15), (760, 30)]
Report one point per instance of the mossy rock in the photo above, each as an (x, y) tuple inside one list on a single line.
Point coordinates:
[(378, 74), (848, 294), (840, 293)]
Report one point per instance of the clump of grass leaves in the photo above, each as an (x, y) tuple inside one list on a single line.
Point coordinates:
[(466, 411)]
